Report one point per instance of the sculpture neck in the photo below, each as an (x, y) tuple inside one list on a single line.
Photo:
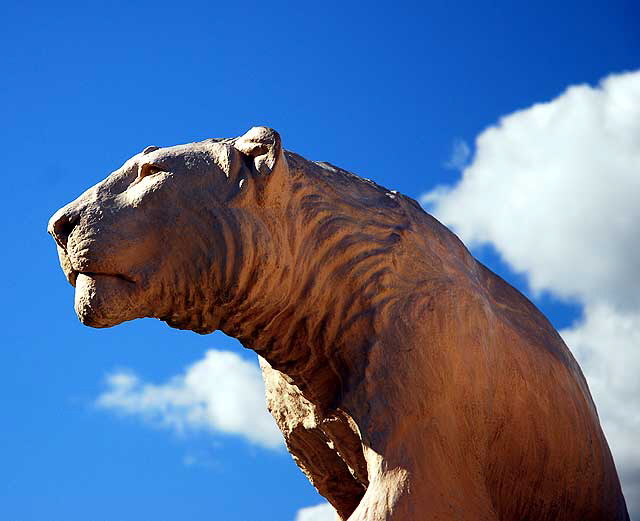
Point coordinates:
[(313, 286), (315, 346), (309, 312), (281, 317)]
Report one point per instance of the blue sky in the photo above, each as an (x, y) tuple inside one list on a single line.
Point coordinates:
[(384, 91)]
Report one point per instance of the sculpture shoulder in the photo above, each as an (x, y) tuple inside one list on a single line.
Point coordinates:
[(524, 318)]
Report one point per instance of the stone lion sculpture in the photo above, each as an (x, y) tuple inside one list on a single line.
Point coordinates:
[(410, 382)]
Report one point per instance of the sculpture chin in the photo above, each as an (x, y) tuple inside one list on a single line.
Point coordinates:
[(105, 300)]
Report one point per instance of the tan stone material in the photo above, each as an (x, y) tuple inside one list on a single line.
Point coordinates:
[(409, 381)]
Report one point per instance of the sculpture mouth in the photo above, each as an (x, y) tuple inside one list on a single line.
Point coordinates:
[(74, 266), (94, 274), (72, 276)]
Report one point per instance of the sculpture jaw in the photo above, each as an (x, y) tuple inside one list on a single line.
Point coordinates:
[(106, 300)]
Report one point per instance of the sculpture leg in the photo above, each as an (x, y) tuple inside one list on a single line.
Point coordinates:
[(397, 494), (410, 505)]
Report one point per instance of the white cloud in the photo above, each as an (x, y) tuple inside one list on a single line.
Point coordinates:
[(459, 155), (607, 345), (555, 188), (323, 512), (567, 172), (220, 393)]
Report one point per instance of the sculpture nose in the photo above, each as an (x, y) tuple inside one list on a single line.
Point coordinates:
[(62, 224)]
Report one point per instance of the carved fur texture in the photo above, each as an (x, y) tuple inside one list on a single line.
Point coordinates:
[(409, 381)]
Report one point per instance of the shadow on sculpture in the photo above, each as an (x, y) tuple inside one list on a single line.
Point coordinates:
[(409, 381)]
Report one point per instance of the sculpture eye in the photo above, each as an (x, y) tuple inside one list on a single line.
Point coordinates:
[(148, 169)]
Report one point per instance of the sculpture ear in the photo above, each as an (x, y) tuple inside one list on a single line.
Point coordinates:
[(263, 144)]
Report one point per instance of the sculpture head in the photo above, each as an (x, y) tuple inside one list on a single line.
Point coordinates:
[(159, 234)]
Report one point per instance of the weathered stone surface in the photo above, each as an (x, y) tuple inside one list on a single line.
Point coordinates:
[(409, 381)]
